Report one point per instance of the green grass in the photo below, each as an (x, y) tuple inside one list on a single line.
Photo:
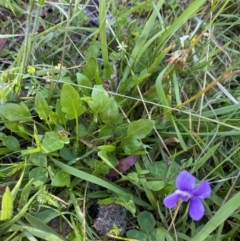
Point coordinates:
[(160, 80)]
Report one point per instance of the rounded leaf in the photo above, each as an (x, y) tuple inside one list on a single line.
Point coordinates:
[(61, 179), (158, 169), (71, 102), (155, 185), (146, 221), (39, 175), (135, 234), (140, 128), (11, 142)]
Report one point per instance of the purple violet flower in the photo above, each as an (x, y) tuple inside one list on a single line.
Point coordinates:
[(185, 183)]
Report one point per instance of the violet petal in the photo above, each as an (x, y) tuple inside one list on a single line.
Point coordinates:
[(171, 200), (185, 181), (203, 190), (196, 209)]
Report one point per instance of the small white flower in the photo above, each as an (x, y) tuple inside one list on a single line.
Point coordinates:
[(122, 46)]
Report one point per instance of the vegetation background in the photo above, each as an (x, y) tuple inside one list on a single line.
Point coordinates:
[(103, 104)]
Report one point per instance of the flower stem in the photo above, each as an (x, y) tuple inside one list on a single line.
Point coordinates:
[(175, 214)]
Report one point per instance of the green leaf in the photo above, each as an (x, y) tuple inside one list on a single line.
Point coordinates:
[(66, 154), (41, 234), (155, 185), (82, 130), (60, 115), (111, 114), (158, 169), (130, 145), (173, 170), (136, 52), (161, 91), (188, 13), (108, 158), (223, 213), (93, 49), (100, 99), (75, 201), (159, 234), (102, 11), (133, 176), (11, 142), (42, 107), (210, 152), (4, 150), (137, 235), (30, 150), (90, 178), (71, 102), (39, 175), (53, 141), (38, 224), (7, 205), (41, 2), (52, 119), (4, 226), (84, 83), (61, 179), (91, 71), (108, 70), (146, 221), (16, 188), (142, 76), (107, 148), (15, 112), (106, 131), (140, 128), (100, 168), (127, 202), (38, 159), (25, 194), (18, 128)]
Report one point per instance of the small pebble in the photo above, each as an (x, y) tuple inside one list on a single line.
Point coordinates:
[(107, 216)]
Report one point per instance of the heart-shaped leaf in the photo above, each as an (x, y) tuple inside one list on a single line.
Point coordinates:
[(71, 102)]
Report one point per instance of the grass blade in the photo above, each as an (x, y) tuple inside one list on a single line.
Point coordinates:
[(221, 215), (93, 179)]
